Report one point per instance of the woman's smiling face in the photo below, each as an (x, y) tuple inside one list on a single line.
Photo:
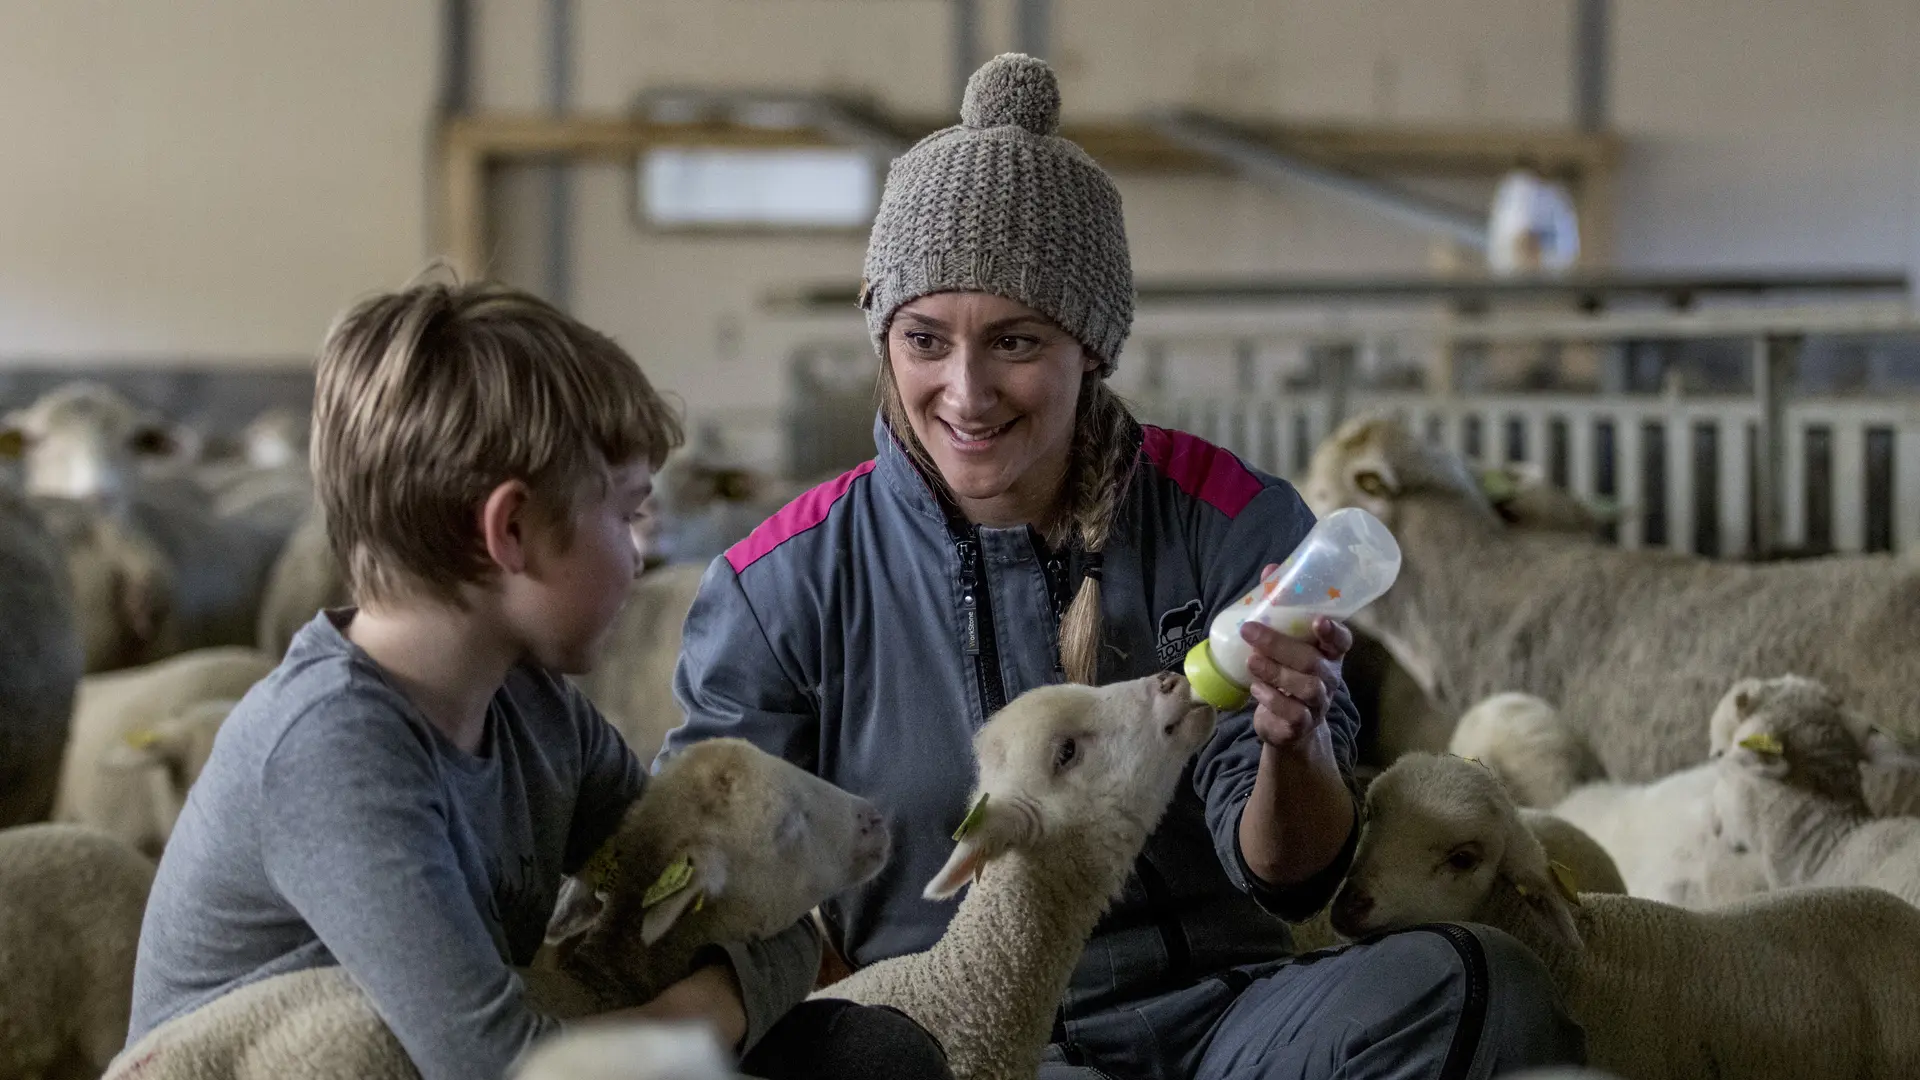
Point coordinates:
[(991, 388)]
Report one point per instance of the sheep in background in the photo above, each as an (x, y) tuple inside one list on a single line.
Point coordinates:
[(122, 586), (305, 580), (1660, 833), (41, 658), (701, 507), (1046, 848), (1637, 646), (633, 683), (753, 842), (140, 738), (630, 1051), (1790, 985), (277, 438), (83, 440), (70, 905), (1789, 788)]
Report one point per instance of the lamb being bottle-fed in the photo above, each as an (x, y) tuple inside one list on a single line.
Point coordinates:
[(1345, 563)]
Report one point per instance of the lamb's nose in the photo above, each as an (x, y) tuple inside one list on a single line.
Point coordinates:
[(871, 821), (1170, 682)]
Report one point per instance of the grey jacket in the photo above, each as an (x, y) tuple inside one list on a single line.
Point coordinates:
[(865, 634)]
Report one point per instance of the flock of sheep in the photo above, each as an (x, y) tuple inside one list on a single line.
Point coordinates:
[(1685, 784)]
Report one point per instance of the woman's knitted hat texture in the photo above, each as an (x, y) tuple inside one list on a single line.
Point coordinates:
[(1002, 204)]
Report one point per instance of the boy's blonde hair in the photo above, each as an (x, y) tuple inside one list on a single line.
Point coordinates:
[(428, 398)]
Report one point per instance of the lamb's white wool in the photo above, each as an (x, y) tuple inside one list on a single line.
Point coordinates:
[(1073, 780), (1635, 646), (141, 736), (1790, 788), (754, 843), (630, 1051), (1522, 739), (70, 905), (1807, 982)]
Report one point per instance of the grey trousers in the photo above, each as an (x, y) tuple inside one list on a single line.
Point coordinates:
[(1441, 1002)]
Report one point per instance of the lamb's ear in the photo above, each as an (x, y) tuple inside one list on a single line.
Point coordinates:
[(682, 888), (1525, 868), (987, 833)]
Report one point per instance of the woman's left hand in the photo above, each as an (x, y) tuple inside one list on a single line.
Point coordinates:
[(1294, 680)]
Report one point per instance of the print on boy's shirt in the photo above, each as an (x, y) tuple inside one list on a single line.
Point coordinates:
[(1180, 629)]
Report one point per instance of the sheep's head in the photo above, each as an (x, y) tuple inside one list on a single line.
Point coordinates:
[(1794, 730), (277, 438), (85, 441), (1522, 738), (1069, 761), (728, 840), (1442, 838), (1373, 461)]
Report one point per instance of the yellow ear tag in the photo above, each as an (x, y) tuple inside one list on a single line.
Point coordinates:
[(1569, 884), (12, 443), (603, 869), (698, 903), (142, 739), (972, 820), (1763, 744), (1521, 888), (1497, 485), (677, 876)]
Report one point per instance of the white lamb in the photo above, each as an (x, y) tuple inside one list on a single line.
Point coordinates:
[(744, 844), (1781, 986), (1659, 833), (141, 736), (1789, 788), (1073, 780), (630, 1051), (1634, 646), (70, 905)]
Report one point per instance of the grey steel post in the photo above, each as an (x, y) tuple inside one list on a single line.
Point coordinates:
[(1775, 358), (966, 45), (559, 280)]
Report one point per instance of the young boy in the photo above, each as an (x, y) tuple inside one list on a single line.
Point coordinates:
[(403, 793)]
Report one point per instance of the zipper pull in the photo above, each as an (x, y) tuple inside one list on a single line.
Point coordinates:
[(969, 603)]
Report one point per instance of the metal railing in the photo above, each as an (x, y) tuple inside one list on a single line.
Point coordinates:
[(1729, 432)]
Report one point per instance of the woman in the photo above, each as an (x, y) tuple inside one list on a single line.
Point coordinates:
[(1019, 528)]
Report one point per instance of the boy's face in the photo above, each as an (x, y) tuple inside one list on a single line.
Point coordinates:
[(571, 594)]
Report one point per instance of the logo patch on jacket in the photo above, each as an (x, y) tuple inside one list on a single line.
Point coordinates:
[(1180, 629)]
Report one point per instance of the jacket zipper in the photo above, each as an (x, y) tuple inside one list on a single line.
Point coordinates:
[(976, 606)]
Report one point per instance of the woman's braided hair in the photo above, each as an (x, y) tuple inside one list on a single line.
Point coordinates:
[(1100, 467)]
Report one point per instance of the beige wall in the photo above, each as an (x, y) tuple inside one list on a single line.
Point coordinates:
[(212, 179), (205, 178)]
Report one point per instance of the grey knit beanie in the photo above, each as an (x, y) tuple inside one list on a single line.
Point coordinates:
[(1002, 204)]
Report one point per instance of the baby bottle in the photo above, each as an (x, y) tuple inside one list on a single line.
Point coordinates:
[(1344, 564)]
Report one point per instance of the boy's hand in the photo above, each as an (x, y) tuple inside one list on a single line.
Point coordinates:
[(712, 994)]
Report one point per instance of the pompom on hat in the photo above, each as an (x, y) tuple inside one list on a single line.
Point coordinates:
[(1002, 204)]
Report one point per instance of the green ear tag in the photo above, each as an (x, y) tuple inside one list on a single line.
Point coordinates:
[(1569, 885), (972, 820), (675, 877), (1763, 744), (602, 870), (142, 739)]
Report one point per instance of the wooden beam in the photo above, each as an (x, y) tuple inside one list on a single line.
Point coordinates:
[(471, 143)]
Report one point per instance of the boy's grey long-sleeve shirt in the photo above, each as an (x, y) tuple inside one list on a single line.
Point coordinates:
[(865, 635), (334, 824)]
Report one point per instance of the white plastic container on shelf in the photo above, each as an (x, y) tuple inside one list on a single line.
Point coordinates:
[(1345, 563)]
